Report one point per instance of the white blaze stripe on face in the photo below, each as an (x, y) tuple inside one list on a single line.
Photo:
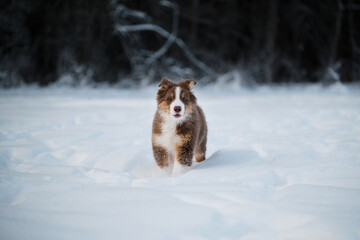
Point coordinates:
[(177, 102)]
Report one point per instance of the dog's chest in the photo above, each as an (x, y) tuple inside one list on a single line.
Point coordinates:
[(168, 137)]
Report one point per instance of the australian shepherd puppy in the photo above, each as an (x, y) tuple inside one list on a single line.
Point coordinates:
[(179, 128)]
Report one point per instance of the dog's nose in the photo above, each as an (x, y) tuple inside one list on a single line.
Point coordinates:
[(177, 109)]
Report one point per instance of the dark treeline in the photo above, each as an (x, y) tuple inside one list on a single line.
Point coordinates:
[(110, 41)]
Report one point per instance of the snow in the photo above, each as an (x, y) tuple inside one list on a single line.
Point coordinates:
[(283, 163)]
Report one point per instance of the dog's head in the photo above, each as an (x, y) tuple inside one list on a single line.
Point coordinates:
[(176, 99)]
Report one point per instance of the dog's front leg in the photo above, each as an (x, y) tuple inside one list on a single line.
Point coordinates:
[(161, 156), (184, 157), (185, 153)]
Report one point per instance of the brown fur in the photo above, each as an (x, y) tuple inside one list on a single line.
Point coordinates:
[(190, 135)]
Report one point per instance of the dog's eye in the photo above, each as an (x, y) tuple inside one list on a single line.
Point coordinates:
[(169, 99), (184, 100)]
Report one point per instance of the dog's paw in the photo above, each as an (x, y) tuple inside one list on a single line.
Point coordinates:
[(179, 170)]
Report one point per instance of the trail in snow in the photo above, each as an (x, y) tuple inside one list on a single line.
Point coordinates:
[(282, 164)]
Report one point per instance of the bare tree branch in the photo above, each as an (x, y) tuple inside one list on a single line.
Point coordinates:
[(164, 33), (126, 12), (172, 36)]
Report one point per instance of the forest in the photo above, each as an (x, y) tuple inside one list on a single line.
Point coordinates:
[(138, 42)]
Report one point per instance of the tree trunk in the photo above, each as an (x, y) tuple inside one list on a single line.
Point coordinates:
[(194, 23), (330, 72), (337, 32), (271, 32), (353, 72)]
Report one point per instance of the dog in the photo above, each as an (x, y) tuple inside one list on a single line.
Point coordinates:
[(179, 129)]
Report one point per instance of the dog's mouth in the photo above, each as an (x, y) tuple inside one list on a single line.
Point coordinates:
[(177, 115)]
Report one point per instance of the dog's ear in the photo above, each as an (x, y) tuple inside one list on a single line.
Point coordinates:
[(165, 83), (188, 83)]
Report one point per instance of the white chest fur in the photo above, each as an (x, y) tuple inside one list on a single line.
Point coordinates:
[(168, 138)]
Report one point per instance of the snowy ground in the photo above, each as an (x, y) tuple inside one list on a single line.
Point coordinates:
[(282, 164)]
